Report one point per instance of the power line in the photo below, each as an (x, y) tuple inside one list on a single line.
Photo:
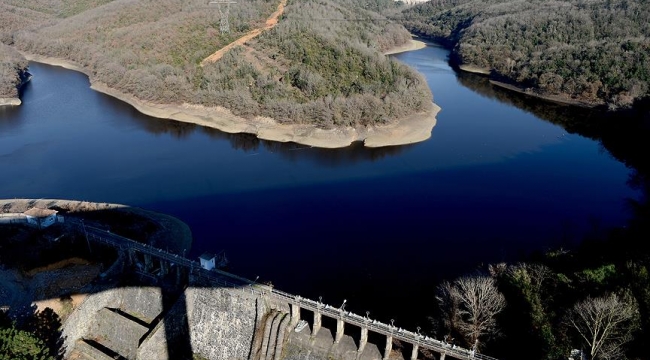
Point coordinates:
[(224, 25)]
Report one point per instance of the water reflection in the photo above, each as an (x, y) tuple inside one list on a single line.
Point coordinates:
[(250, 143), (9, 121), (623, 134)]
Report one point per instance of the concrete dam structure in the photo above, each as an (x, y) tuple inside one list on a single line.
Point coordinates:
[(188, 312)]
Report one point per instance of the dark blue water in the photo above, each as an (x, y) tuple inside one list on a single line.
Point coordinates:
[(376, 227)]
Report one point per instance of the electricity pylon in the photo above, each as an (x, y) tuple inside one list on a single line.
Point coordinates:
[(224, 26)]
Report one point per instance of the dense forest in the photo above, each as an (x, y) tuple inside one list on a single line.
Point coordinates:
[(322, 63), (591, 51)]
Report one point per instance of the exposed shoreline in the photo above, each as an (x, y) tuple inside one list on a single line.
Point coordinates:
[(468, 68), (410, 46), (15, 101), (408, 130), (474, 69), (553, 98), (10, 101), (518, 89)]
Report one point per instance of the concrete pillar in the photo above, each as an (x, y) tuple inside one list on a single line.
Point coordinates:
[(295, 315), (364, 339), (164, 268), (340, 326), (179, 274), (414, 353), (389, 347), (148, 262), (317, 323), (130, 253)]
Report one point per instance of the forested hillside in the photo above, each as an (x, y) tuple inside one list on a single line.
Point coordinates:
[(12, 68), (595, 51), (320, 65)]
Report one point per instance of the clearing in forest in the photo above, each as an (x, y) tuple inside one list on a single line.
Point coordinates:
[(270, 23)]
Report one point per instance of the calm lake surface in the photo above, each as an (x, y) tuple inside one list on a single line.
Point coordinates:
[(376, 227)]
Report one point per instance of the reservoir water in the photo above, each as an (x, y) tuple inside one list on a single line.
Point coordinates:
[(378, 227)]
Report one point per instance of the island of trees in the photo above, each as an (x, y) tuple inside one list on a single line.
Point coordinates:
[(583, 52), (322, 64)]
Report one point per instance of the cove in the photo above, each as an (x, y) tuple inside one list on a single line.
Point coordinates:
[(378, 227)]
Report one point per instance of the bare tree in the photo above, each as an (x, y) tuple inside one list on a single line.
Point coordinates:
[(605, 324), (448, 303), (470, 305)]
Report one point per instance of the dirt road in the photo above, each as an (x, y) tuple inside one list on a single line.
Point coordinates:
[(270, 23)]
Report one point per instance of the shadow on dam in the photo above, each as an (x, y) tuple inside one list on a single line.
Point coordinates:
[(117, 295)]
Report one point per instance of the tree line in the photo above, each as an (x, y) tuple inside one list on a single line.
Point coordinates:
[(320, 65), (593, 51)]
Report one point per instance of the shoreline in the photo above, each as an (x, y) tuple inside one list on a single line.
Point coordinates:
[(408, 130), (414, 44), (553, 98), (15, 101), (10, 102), (474, 69)]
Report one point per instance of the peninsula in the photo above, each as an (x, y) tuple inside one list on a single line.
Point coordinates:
[(312, 73)]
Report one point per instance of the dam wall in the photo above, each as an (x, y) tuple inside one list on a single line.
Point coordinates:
[(222, 322), (192, 312), (92, 320), (214, 323)]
